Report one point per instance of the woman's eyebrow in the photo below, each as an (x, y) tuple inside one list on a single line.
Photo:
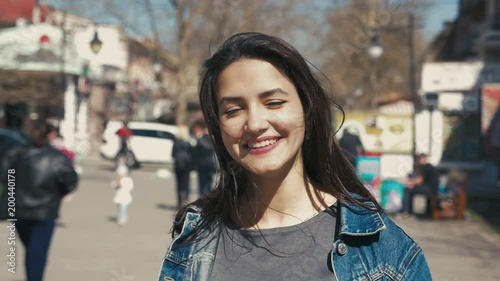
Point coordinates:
[(230, 100), (262, 95), (272, 92)]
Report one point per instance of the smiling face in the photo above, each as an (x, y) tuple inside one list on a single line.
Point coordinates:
[(261, 117)]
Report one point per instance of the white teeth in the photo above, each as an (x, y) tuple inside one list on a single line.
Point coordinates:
[(262, 143)]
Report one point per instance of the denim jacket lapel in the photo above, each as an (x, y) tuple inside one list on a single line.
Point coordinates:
[(358, 221)]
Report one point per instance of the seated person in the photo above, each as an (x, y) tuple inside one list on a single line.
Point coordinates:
[(455, 180), (426, 182)]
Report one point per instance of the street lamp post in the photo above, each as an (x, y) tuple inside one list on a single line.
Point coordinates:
[(374, 51), (96, 101), (157, 66), (95, 43), (412, 85)]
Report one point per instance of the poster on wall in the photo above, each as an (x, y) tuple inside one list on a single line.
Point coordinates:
[(388, 192), (490, 121), (368, 167), (397, 132), (383, 133)]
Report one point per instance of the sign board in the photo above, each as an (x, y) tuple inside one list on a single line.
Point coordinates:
[(490, 105), (450, 101), (388, 133), (450, 76), (490, 121)]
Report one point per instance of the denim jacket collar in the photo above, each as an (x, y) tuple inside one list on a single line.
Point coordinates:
[(358, 221), (190, 220), (354, 221)]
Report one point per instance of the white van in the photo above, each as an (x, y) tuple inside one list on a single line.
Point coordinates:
[(150, 143)]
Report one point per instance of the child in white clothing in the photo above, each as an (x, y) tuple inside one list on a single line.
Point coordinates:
[(123, 195)]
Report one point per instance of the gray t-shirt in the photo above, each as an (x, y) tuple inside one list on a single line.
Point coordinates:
[(298, 252)]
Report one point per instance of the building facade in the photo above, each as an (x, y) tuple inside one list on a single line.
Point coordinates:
[(460, 82)]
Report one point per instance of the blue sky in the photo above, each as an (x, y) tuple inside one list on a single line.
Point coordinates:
[(443, 10)]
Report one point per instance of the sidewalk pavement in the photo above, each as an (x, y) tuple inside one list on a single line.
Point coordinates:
[(457, 250), (89, 245)]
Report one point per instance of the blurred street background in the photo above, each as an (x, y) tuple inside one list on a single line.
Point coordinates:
[(89, 245), (412, 76)]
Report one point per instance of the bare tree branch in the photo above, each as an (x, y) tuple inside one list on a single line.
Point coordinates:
[(108, 4), (347, 63)]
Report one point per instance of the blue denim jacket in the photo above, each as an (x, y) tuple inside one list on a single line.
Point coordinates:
[(369, 246)]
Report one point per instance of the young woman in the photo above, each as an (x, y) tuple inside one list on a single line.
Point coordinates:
[(287, 205)]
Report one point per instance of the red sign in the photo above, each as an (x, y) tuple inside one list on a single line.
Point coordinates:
[(13, 10), (490, 106), (493, 91)]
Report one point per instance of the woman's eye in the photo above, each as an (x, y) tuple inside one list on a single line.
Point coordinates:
[(275, 104), (232, 111)]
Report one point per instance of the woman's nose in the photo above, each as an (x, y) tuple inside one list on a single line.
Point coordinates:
[(257, 121)]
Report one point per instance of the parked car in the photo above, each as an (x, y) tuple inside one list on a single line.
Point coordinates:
[(150, 143)]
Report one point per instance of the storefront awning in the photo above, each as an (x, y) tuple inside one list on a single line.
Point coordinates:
[(38, 48)]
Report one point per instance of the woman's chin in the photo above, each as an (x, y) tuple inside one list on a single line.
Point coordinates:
[(261, 171)]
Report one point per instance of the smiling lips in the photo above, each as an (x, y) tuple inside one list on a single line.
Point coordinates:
[(262, 144)]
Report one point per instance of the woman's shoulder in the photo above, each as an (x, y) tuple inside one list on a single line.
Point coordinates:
[(378, 229), (187, 220), (357, 220)]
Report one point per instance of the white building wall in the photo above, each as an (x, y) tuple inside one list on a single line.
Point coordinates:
[(67, 128), (395, 166), (114, 51), (109, 64), (82, 137), (429, 134)]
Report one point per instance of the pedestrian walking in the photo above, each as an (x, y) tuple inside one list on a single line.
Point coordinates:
[(56, 141), (287, 205), (182, 152), (205, 159), (43, 176), (124, 185), (125, 133), (351, 144)]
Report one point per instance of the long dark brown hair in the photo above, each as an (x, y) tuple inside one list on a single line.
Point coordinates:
[(324, 162)]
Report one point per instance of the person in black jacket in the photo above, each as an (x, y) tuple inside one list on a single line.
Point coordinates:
[(182, 152), (43, 176), (425, 182), (351, 145), (204, 156)]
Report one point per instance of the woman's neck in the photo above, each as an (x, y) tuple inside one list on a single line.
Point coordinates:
[(282, 200)]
